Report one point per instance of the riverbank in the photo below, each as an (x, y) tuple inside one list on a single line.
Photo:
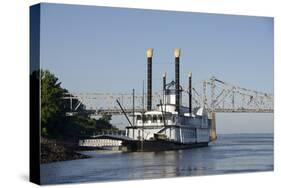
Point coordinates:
[(55, 150)]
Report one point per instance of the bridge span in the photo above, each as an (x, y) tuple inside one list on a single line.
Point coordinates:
[(213, 94)]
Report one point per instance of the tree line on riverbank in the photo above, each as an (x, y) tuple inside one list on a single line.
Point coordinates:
[(54, 122), (60, 133)]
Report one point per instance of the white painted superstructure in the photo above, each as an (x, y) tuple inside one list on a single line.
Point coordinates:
[(166, 123), (171, 121)]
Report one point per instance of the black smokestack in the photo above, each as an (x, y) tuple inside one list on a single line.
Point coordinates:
[(190, 92), (177, 78), (149, 54), (164, 87)]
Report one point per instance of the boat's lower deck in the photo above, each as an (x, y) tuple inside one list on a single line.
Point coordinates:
[(158, 145)]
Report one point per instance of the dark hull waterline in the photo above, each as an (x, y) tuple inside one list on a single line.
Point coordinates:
[(158, 145)]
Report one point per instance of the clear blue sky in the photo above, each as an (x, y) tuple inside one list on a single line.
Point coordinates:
[(99, 49)]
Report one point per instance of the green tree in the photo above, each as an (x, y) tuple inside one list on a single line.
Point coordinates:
[(54, 123), (52, 104)]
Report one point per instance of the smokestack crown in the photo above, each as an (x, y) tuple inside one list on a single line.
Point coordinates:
[(177, 52), (149, 52)]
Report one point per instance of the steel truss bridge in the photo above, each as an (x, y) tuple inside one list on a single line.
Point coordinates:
[(215, 95)]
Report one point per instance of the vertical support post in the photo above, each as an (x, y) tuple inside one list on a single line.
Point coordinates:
[(143, 97), (133, 129), (177, 78), (213, 86), (164, 87), (190, 92), (233, 93), (213, 133), (70, 97), (204, 95), (142, 116), (164, 100), (181, 140), (149, 54), (133, 107)]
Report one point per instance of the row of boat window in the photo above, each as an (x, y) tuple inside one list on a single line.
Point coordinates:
[(153, 118), (188, 133)]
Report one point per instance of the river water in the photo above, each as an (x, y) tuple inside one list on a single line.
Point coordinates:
[(232, 153)]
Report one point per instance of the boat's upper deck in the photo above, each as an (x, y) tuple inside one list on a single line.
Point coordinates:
[(161, 118)]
